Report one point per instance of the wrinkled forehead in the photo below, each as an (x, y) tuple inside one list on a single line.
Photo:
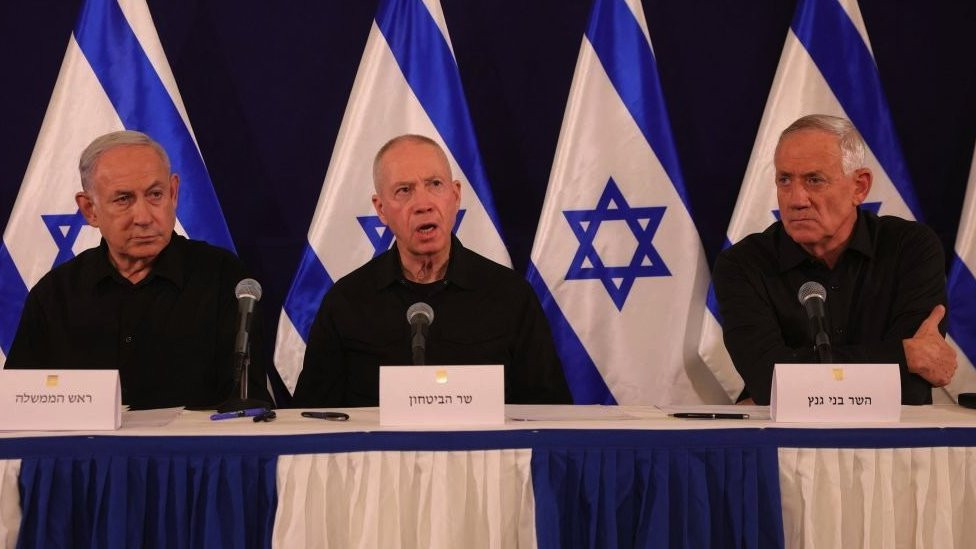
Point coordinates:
[(807, 146), (130, 165), (410, 160)]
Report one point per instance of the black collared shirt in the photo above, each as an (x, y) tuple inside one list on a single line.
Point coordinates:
[(484, 313), (886, 282), (170, 336)]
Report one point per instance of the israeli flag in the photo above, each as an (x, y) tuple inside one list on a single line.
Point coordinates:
[(826, 68), (617, 261), (408, 82), (962, 296), (114, 76)]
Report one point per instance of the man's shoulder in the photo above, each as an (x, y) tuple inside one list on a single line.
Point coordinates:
[(199, 250), (483, 271), (892, 231), (754, 248), (76, 271)]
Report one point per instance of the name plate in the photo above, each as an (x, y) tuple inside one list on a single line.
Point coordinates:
[(60, 400), (836, 393), (442, 395)]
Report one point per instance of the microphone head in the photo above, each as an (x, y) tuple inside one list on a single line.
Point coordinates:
[(812, 289), (420, 308), (248, 288)]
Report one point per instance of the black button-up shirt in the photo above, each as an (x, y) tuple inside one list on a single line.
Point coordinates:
[(886, 282), (484, 313), (170, 336)]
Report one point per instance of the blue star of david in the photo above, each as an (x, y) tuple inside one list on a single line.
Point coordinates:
[(381, 237), (643, 223), (64, 229), (873, 207)]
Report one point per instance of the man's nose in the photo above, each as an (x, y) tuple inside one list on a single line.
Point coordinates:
[(423, 199), (797, 197), (141, 213)]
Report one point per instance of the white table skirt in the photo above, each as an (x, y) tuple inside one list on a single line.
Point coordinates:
[(465, 499), (904, 497), (9, 502)]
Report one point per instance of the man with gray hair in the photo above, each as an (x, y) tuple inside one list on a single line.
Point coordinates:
[(885, 276), (147, 302)]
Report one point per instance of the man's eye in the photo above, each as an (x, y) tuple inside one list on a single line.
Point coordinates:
[(122, 200), (816, 180), (401, 191), (782, 180), (156, 195)]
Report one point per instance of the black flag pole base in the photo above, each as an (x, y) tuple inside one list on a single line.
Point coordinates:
[(236, 404)]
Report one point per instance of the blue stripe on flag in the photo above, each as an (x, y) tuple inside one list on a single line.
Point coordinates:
[(429, 67), (306, 293), (829, 35), (623, 50), (962, 315), (13, 292), (711, 301), (585, 382), (143, 104)]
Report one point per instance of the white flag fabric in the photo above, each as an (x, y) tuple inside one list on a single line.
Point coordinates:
[(962, 295), (114, 76), (826, 68), (617, 261), (408, 82)]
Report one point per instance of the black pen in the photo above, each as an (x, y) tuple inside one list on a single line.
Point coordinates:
[(708, 415), (331, 416)]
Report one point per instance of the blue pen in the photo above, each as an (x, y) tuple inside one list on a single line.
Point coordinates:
[(250, 412)]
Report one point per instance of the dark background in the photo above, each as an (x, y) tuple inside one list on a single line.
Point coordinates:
[(265, 85)]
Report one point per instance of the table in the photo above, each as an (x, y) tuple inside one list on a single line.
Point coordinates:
[(594, 481)]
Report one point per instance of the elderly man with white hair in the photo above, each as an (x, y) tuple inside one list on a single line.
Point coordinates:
[(885, 276)]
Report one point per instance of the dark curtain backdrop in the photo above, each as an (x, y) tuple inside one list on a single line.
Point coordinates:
[(266, 83)]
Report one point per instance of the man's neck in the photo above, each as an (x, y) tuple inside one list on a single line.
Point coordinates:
[(132, 269), (425, 268)]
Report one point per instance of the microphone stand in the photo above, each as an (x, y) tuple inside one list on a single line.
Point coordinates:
[(242, 402)]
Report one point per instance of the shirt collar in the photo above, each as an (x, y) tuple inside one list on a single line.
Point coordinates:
[(169, 264), (792, 254), (460, 270)]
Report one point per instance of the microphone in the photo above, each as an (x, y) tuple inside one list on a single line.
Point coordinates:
[(248, 292), (813, 296), (420, 316)]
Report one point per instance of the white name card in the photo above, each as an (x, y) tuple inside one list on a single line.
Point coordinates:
[(836, 393), (442, 395), (60, 400)]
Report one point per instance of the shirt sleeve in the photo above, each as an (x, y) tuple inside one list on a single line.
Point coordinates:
[(920, 264), (322, 381), (536, 374), (31, 342), (750, 327)]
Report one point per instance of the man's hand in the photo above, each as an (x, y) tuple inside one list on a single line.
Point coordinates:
[(927, 352)]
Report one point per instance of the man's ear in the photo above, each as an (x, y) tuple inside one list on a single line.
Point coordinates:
[(87, 207), (174, 188), (378, 206), (863, 178)]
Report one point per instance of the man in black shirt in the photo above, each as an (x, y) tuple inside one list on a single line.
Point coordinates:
[(484, 313), (155, 306), (885, 277)]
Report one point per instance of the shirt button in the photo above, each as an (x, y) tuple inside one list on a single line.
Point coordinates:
[(127, 339), (835, 287), (838, 331)]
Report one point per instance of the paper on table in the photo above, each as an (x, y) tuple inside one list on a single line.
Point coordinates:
[(150, 418), (519, 412), (755, 412)]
